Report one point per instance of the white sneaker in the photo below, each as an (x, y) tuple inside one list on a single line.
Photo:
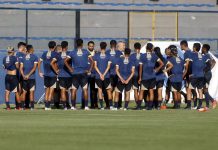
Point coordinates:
[(194, 108), (31, 109), (121, 108), (125, 109), (115, 109), (102, 108), (86, 108), (111, 107), (47, 108), (65, 108), (73, 108)]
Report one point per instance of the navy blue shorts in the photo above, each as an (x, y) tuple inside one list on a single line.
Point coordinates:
[(120, 87), (159, 84), (80, 80), (50, 82), (198, 83), (135, 83), (148, 84), (176, 86), (11, 83), (29, 85), (65, 82), (106, 84)]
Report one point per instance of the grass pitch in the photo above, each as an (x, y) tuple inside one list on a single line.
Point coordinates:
[(108, 130)]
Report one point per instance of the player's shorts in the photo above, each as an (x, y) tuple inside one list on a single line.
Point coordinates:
[(176, 86), (65, 82), (148, 84), (50, 82), (29, 85), (135, 84), (11, 83), (207, 76), (113, 80), (120, 87), (80, 80), (198, 83), (159, 84), (106, 84)]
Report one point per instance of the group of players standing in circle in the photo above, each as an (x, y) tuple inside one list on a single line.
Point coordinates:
[(108, 72)]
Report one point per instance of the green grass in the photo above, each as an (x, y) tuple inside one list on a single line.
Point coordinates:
[(108, 130)]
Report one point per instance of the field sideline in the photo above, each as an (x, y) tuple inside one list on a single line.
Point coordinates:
[(108, 130)]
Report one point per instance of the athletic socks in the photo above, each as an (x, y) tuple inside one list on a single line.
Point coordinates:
[(47, 104), (7, 104), (22, 104), (188, 104), (208, 98), (200, 103), (110, 102), (176, 104), (86, 103), (115, 104), (73, 103), (195, 103), (64, 104), (126, 104), (32, 104), (150, 105), (101, 103), (159, 103), (139, 103)]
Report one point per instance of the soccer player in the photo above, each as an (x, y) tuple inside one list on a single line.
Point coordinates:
[(160, 76), (197, 76), (208, 75), (20, 54), (91, 79), (168, 86), (50, 76), (64, 76), (10, 64), (147, 76), (125, 70), (114, 56), (135, 58), (102, 65), (176, 65), (28, 66), (187, 55), (80, 58)]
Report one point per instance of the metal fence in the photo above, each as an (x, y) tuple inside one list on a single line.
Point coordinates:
[(37, 27)]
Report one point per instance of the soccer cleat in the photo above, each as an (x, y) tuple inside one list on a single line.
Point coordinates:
[(214, 104), (203, 109), (111, 107), (8, 108), (46, 108), (125, 109), (102, 108), (65, 108), (115, 109), (86, 108), (163, 107), (73, 108), (194, 108), (121, 108), (31, 109)]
